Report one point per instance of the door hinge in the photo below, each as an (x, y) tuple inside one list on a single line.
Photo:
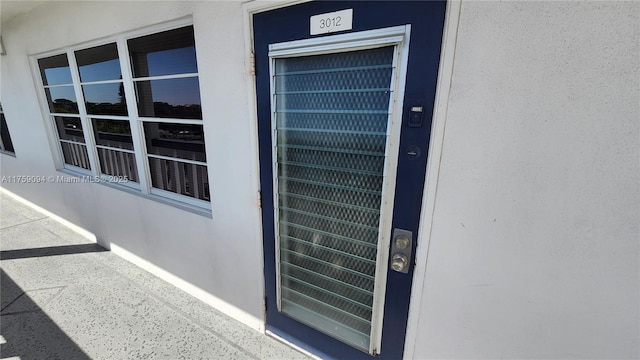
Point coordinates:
[(260, 199), (252, 64), (265, 304)]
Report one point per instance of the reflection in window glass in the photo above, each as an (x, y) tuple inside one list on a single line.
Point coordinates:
[(118, 163), (175, 140), (55, 70), (169, 98), (75, 154), (181, 178), (113, 133), (105, 99), (99, 63), (166, 88), (69, 128), (62, 99), (7, 144), (166, 53)]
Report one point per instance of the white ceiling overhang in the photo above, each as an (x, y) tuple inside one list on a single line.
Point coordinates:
[(11, 8)]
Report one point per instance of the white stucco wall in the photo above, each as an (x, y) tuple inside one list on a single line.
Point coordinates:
[(533, 251), (535, 238), (221, 255)]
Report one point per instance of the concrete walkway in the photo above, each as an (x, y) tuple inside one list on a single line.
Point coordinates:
[(63, 297)]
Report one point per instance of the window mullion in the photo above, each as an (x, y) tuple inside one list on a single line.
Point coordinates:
[(135, 125), (89, 139)]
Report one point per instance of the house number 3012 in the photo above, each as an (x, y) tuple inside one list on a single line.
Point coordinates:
[(331, 22)]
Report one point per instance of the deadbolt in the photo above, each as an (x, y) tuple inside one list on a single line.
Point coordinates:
[(399, 262), (401, 248), (402, 242)]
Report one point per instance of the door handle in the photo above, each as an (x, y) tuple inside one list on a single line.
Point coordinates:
[(399, 262), (401, 248)]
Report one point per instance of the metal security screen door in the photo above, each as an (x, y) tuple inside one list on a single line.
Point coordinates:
[(343, 130), (332, 115)]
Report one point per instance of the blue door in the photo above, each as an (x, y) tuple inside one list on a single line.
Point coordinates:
[(345, 93)]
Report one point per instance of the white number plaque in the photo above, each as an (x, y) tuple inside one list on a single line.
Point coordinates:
[(332, 22)]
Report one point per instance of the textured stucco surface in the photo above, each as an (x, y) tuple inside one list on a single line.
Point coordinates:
[(535, 243), (194, 248), (534, 248)]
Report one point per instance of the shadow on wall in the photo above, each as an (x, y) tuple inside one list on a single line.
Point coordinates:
[(27, 330)]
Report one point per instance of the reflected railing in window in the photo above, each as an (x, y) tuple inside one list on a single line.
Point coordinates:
[(180, 177), (75, 154), (115, 148), (118, 163)]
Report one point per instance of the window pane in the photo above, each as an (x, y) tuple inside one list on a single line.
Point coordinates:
[(181, 178), (113, 133), (55, 70), (75, 154), (175, 140), (99, 63), (170, 98), (4, 132), (62, 99), (105, 99), (69, 128), (165, 53), (118, 163)]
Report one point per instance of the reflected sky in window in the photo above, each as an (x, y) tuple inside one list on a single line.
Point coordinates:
[(174, 61), (99, 63), (108, 70), (104, 93), (55, 70), (57, 76), (167, 53)]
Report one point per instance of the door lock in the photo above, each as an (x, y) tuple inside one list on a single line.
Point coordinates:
[(399, 262), (401, 248)]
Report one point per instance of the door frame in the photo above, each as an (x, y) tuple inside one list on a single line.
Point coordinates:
[(439, 117), (399, 38)]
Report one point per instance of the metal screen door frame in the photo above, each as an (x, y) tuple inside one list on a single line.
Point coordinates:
[(398, 37)]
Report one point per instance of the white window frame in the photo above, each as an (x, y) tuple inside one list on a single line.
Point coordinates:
[(397, 36), (144, 186)]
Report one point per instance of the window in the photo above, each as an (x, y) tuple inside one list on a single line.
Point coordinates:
[(130, 109), (6, 145)]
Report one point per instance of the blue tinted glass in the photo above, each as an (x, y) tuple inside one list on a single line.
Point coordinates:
[(62, 99), (105, 99), (175, 61), (166, 53), (170, 98), (99, 63), (55, 70)]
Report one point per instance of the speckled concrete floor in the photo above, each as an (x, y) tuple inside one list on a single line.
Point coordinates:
[(65, 298)]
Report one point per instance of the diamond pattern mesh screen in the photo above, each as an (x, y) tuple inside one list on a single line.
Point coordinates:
[(331, 123)]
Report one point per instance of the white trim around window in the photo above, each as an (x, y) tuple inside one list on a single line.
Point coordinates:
[(168, 163)]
